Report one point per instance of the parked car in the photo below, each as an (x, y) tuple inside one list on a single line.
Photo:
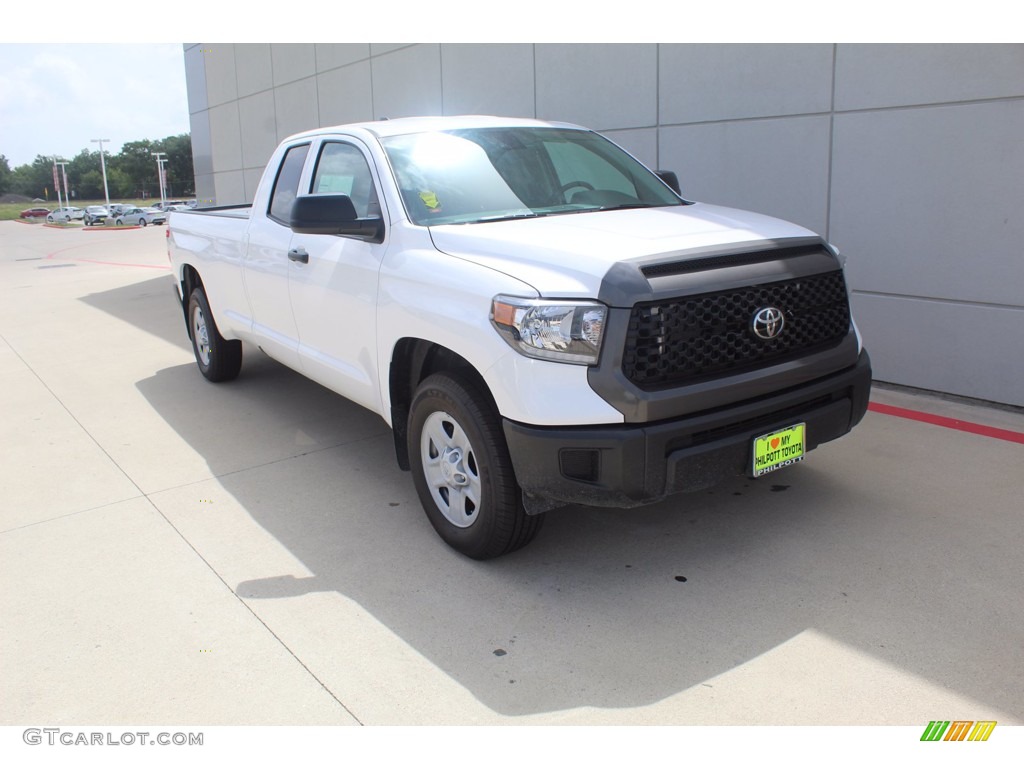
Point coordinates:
[(155, 216), (173, 205), (95, 214), (118, 208), (34, 213), (65, 215), (140, 217)]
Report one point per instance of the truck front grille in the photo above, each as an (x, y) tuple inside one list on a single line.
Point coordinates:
[(690, 338)]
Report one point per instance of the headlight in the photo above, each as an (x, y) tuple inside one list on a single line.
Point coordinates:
[(569, 332)]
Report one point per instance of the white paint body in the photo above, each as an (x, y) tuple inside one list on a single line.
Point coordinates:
[(338, 318)]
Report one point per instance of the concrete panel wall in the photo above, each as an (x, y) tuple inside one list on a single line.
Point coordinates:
[(963, 348), (292, 61), (226, 137), (345, 94), (254, 70), (776, 166), (259, 135), (332, 56), (929, 200), (407, 81), (469, 74), (908, 157), (604, 87), (705, 83), (297, 106), (876, 76)]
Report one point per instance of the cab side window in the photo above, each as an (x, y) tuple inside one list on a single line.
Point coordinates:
[(286, 185), (341, 169)]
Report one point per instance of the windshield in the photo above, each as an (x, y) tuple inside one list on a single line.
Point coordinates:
[(493, 174)]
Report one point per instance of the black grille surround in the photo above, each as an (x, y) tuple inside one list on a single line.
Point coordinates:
[(688, 339)]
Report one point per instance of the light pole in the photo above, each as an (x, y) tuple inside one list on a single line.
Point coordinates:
[(56, 182), (64, 172), (103, 166), (161, 158)]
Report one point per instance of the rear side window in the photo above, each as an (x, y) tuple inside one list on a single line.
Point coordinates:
[(286, 185)]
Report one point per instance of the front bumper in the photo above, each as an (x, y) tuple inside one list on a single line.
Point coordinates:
[(634, 464)]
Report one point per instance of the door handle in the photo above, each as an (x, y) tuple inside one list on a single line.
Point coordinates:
[(298, 254)]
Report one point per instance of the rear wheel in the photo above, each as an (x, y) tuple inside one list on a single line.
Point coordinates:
[(143, 222), (463, 472), (218, 358)]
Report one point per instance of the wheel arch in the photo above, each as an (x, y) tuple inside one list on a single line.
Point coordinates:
[(412, 361), (189, 281)]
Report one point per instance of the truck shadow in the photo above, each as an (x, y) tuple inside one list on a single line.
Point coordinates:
[(607, 608), (149, 305)]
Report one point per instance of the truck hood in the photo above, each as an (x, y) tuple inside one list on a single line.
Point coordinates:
[(567, 255)]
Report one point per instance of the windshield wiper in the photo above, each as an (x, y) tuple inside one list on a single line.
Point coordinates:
[(623, 206), (509, 217)]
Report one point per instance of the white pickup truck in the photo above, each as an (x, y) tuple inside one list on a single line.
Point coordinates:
[(540, 319)]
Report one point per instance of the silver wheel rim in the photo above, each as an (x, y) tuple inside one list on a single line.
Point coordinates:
[(201, 336), (451, 469)]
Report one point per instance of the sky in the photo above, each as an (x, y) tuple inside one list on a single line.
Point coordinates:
[(56, 98)]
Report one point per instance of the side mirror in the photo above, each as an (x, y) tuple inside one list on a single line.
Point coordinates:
[(670, 178), (333, 215)]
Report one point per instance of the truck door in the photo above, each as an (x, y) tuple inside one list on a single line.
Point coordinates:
[(333, 283), (266, 263)]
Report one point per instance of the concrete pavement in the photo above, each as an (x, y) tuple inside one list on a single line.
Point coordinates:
[(248, 553)]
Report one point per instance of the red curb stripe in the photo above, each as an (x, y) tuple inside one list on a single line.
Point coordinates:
[(115, 263), (943, 421), (53, 254)]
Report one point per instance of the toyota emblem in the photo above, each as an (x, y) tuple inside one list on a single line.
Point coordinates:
[(768, 323)]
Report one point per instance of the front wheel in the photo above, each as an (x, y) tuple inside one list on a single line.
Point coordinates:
[(463, 472), (218, 358)]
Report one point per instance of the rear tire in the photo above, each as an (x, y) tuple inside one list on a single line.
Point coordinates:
[(463, 472), (218, 358)]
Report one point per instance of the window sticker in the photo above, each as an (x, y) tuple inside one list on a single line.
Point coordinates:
[(430, 200), (335, 184)]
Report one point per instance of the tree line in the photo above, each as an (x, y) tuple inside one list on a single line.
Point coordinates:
[(131, 173)]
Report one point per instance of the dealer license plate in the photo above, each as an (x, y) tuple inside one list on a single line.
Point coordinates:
[(779, 449)]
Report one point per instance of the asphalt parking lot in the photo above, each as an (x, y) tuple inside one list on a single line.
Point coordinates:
[(173, 551)]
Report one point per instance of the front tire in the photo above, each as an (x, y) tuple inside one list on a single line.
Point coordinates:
[(218, 358), (463, 473)]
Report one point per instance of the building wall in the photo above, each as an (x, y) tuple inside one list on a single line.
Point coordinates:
[(908, 157)]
